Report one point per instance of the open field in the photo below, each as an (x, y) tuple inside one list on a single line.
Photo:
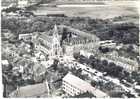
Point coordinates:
[(101, 11)]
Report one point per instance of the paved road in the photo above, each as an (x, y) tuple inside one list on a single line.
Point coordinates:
[(97, 75)]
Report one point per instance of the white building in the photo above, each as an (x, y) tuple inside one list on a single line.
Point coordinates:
[(5, 62), (26, 3), (73, 85), (23, 3), (26, 37)]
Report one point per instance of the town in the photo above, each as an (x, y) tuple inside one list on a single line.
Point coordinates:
[(57, 55)]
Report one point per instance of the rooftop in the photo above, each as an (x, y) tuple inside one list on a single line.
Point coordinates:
[(4, 62), (80, 33), (46, 37), (82, 85), (26, 34), (30, 91)]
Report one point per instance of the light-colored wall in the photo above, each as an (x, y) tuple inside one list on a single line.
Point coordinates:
[(71, 90)]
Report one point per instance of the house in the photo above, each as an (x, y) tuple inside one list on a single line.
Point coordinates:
[(73, 86), (5, 62), (126, 63), (5, 65)]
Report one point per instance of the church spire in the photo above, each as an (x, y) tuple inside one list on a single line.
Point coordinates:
[(55, 30), (56, 48)]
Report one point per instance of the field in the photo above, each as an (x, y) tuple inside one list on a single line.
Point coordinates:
[(93, 11)]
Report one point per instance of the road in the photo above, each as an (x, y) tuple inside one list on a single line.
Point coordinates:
[(97, 75)]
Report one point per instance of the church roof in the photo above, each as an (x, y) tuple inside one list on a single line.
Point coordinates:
[(46, 37), (78, 32)]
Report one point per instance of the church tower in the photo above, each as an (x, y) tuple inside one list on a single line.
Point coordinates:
[(56, 48)]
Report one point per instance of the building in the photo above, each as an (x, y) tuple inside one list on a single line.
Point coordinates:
[(26, 3), (25, 37), (78, 40), (22, 3), (31, 91), (128, 64), (50, 44), (56, 48), (5, 62), (108, 44), (73, 85), (66, 40)]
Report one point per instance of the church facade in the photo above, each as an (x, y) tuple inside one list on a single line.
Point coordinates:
[(50, 44), (65, 43)]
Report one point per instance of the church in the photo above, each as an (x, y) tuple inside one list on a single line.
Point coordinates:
[(65, 40)]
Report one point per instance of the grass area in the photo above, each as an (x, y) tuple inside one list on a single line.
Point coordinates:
[(102, 12)]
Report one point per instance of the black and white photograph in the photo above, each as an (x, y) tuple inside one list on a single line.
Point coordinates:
[(70, 49)]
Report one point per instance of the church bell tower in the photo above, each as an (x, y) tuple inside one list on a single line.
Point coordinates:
[(56, 48)]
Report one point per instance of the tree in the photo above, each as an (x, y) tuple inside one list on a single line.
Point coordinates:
[(103, 49), (76, 55), (105, 63), (11, 9), (111, 68), (83, 76), (63, 70), (84, 95), (83, 59), (93, 83), (134, 74), (130, 48), (73, 70), (125, 74), (55, 64), (91, 57), (38, 26)]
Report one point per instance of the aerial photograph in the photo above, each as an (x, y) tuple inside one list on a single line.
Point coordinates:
[(70, 49)]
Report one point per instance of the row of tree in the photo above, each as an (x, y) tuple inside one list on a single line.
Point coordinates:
[(104, 29), (109, 67)]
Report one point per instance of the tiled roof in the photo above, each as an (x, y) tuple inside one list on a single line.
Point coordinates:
[(30, 91), (80, 33), (46, 37)]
